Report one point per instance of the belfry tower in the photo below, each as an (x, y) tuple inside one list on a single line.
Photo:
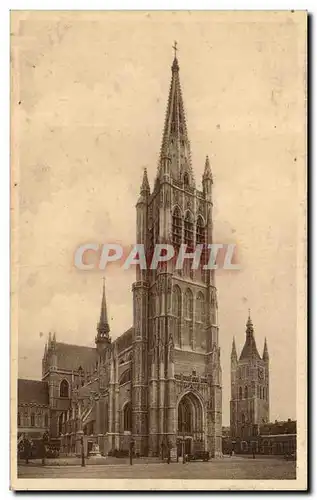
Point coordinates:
[(249, 405), (176, 372)]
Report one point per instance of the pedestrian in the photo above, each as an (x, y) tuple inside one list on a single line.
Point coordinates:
[(27, 449), (162, 451), (45, 441)]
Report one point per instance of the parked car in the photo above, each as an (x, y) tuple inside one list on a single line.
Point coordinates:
[(199, 455)]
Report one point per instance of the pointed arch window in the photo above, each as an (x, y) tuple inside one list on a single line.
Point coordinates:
[(19, 419), (127, 417), (64, 389), (240, 392), (200, 308), (177, 227), (188, 305), (246, 392), (177, 312), (188, 318), (200, 231), (189, 230), (32, 419)]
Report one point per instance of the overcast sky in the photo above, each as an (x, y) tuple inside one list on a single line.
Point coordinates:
[(93, 89)]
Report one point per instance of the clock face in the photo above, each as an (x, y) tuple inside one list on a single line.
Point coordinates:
[(261, 374)]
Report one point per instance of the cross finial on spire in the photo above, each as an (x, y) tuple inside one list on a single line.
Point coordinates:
[(175, 48)]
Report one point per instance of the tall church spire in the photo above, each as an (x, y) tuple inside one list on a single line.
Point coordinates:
[(145, 186), (207, 172), (175, 143), (249, 349), (103, 328)]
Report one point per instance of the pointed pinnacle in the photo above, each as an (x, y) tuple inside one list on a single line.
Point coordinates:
[(103, 311), (207, 171), (145, 186), (265, 355), (234, 350), (249, 329)]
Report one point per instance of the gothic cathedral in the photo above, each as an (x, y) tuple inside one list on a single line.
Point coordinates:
[(159, 383)]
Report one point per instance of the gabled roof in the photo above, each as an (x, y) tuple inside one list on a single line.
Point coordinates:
[(32, 391), (71, 357)]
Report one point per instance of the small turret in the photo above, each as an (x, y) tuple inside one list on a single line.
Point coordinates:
[(102, 339), (234, 356), (54, 341), (145, 188), (207, 179)]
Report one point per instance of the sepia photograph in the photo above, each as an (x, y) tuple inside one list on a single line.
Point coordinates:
[(158, 250)]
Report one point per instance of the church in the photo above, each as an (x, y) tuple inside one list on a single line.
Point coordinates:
[(159, 383), (249, 405)]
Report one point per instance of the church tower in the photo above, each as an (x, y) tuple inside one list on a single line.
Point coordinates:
[(249, 405), (176, 372)]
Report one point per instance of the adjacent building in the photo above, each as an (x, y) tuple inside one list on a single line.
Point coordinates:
[(250, 426)]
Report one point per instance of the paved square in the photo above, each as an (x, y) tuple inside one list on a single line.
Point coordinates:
[(235, 468)]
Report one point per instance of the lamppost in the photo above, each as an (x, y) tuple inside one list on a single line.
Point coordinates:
[(131, 450), (82, 452)]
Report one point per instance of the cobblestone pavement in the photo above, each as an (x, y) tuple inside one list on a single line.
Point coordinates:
[(235, 468)]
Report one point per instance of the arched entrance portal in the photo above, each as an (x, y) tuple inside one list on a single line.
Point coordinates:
[(190, 425)]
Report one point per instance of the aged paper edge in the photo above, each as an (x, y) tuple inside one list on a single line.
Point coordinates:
[(19, 484)]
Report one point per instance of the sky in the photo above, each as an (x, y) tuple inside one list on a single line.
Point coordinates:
[(90, 98)]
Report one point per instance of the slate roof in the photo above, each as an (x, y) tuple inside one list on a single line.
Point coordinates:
[(32, 391), (250, 349), (71, 357)]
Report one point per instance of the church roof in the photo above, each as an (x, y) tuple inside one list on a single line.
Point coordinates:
[(125, 340), (249, 349), (32, 391), (71, 357)]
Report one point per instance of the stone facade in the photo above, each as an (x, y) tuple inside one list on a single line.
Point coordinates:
[(249, 405), (159, 383), (33, 416)]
